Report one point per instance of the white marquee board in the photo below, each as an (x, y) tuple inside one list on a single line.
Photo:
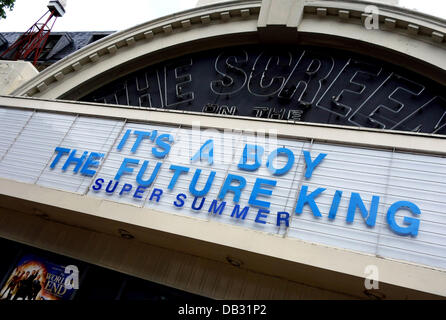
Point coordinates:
[(28, 140)]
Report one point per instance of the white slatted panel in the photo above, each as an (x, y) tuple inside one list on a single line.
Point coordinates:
[(34, 147), (422, 179), (12, 122), (28, 151), (86, 134), (349, 170)]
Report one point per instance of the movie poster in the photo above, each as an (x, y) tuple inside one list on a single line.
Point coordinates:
[(34, 278)]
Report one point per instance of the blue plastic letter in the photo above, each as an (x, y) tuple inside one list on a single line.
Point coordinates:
[(161, 143), (108, 189), (60, 152), (141, 135), (138, 192), (260, 215), (124, 169), (413, 224), (311, 165), (283, 216), (98, 184), (206, 152), (356, 202), (308, 199), (178, 170), (207, 187), (238, 214), (194, 207), (180, 198), (91, 162), (258, 190), (125, 188), (237, 190), (217, 209), (124, 140), (248, 156), (72, 159), (139, 178), (335, 205), (156, 193), (286, 168)]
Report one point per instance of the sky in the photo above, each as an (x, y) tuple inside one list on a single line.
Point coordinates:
[(92, 15), (115, 15), (432, 7)]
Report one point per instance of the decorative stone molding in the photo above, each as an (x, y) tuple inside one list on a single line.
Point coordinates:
[(273, 17), (112, 49), (390, 17), (138, 35), (94, 57), (281, 13), (59, 76), (438, 36)]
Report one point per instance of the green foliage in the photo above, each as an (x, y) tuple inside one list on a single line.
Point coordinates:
[(5, 4)]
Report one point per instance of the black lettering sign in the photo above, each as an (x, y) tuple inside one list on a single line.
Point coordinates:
[(287, 83)]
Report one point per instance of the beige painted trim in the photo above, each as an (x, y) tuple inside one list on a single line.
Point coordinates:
[(191, 273), (387, 139)]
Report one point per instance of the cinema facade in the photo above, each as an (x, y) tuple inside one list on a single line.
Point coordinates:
[(240, 150)]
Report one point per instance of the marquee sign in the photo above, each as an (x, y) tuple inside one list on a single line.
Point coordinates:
[(378, 202), (288, 83)]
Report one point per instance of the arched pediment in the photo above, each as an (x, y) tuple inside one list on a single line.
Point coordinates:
[(403, 60)]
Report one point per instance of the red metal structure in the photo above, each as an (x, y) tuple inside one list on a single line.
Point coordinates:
[(30, 44)]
